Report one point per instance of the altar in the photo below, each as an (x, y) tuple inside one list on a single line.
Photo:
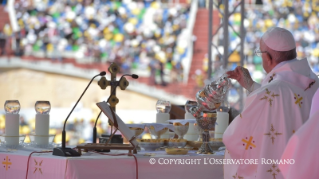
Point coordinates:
[(155, 165)]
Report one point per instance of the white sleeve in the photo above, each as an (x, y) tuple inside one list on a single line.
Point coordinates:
[(253, 87)]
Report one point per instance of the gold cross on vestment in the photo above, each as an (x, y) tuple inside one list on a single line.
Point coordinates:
[(267, 91), (273, 171), (6, 163), (270, 101), (268, 96), (249, 143), (273, 95), (298, 100), (272, 134), (237, 177)]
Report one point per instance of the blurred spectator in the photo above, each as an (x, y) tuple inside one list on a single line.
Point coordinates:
[(23, 122), (199, 79), (201, 3)]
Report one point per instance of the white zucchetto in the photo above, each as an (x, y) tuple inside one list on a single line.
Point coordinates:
[(279, 39)]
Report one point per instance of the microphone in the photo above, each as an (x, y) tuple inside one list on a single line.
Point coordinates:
[(68, 152), (112, 93), (134, 76)]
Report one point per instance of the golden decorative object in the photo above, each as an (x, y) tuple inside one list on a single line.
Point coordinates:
[(157, 133), (179, 124), (113, 101), (217, 105), (123, 83), (137, 130), (176, 151), (202, 94), (149, 140), (114, 68), (177, 143), (216, 139), (194, 144), (210, 115), (103, 83)]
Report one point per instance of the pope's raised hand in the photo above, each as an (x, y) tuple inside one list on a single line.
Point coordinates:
[(242, 75)]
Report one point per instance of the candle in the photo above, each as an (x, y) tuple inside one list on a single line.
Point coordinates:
[(12, 108), (222, 123), (163, 108), (189, 116), (162, 118), (12, 129), (192, 134), (42, 123)]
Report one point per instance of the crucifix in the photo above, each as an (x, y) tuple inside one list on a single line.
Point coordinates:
[(112, 100)]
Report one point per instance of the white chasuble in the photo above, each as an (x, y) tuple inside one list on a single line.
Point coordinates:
[(272, 113), (303, 148)]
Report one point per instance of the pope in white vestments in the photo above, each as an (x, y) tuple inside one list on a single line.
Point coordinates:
[(273, 111), (303, 148)]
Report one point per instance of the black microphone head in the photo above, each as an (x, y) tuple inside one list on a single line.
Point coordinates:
[(103, 73), (134, 76)]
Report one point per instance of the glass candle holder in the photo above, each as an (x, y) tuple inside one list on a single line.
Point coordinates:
[(12, 106), (42, 107), (163, 106)]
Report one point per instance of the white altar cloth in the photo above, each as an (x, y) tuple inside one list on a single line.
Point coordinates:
[(97, 166)]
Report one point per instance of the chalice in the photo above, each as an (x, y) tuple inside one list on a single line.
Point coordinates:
[(137, 130), (157, 130), (180, 129), (207, 123)]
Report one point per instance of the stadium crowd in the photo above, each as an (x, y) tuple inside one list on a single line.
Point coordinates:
[(134, 34), (143, 35)]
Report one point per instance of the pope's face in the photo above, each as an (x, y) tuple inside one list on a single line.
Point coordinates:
[(265, 56)]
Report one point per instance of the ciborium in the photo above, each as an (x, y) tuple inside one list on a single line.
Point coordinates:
[(204, 108)]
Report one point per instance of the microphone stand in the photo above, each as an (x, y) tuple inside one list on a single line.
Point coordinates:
[(115, 122), (68, 152)]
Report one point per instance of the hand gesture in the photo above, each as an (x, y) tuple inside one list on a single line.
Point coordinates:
[(243, 77)]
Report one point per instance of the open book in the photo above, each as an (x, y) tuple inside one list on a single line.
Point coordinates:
[(122, 127)]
